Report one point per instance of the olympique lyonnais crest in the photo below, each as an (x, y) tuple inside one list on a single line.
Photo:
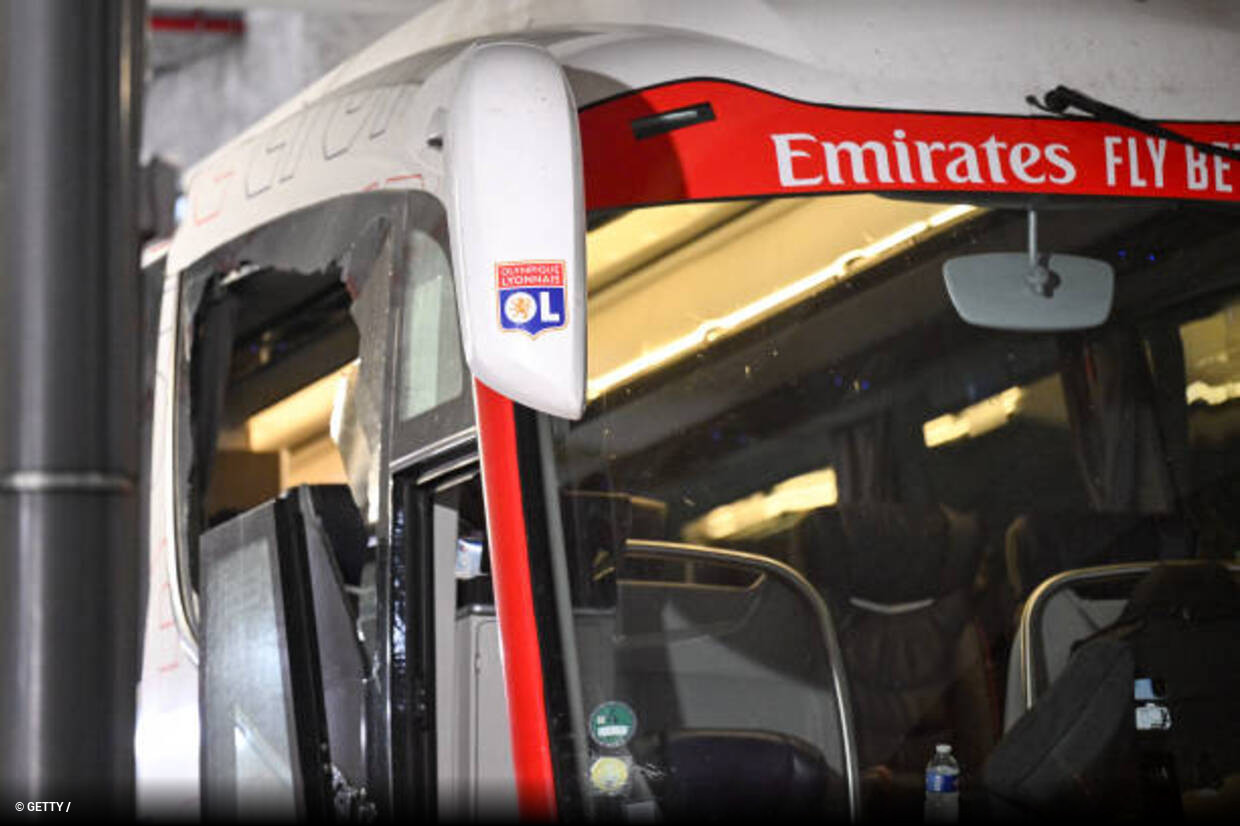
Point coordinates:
[(531, 295)]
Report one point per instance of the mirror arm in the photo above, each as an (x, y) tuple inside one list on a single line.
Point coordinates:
[(1042, 279), (1033, 238)]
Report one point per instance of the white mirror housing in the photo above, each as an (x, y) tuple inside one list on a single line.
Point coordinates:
[(516, 212)]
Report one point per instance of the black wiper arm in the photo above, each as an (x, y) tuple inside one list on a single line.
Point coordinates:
[(1061, 98)]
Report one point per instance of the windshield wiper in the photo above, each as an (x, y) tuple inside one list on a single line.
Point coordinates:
[(1061, 98)]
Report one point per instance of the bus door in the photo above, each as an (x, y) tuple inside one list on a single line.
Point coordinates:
[(340, 395), (277, 485), (271, 689), (450, 746), (327, 348)]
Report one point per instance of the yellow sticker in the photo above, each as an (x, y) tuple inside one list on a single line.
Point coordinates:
[(609, 775)]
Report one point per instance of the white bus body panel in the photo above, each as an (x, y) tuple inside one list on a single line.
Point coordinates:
[(166, 739)]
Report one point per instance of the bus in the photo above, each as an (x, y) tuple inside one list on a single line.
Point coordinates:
[(643, 411)]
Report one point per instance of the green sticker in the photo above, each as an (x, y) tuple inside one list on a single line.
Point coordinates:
[(612, 724)]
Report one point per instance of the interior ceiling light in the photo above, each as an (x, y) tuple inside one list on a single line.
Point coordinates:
[(1212, 394), (297, 417), (840, 268), (635, 239), (976, 419), (800, 493)]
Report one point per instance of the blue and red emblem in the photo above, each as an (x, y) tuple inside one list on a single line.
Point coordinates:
[(531, 295)]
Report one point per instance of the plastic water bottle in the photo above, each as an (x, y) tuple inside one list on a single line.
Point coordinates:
[(942, 793)]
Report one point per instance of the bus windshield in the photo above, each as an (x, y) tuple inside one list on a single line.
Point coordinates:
[(807, 501)]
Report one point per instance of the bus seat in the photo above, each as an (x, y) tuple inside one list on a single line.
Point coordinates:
[(721, 774), (1039, 546), (900, 580), (602, 522), (698, 648), (1081, 748), (692, 656), (1066, 618)]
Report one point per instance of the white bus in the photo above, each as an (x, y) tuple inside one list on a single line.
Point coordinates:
[(641, 410)]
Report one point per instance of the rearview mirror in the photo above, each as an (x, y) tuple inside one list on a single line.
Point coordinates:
[(1031, 290), (997, 290)]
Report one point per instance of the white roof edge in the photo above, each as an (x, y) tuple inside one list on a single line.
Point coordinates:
[(1173, 61), (460, 22)]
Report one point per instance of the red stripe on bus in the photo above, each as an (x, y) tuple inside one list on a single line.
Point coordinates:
[(197, 23), (762, 144), (514, 604)]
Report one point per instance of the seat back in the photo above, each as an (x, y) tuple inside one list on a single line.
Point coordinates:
[(716, 657), (1039, 546), (720, 775), (756, 657), (1144, 714), (900, 580)]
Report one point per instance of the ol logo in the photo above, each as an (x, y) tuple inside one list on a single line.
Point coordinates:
[(531, 296)]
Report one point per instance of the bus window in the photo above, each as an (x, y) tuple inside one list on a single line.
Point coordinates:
[(280, 381), (284, 376), (291, 381), (429, 337), (433, 401), (1212, 362), (793, 385), (279, 375)]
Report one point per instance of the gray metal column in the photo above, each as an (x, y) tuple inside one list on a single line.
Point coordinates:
[(69, 414)]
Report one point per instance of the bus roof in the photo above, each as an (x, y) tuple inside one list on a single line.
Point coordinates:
[(367, 124)]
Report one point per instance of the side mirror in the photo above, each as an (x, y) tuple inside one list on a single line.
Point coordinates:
[(516, 210), (1033, 291)]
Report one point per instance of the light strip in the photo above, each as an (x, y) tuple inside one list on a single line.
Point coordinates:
[(709, 330), (976, 419), (800, 493), (639, 237), (994, 412), (1212, 394), (296, 417)]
